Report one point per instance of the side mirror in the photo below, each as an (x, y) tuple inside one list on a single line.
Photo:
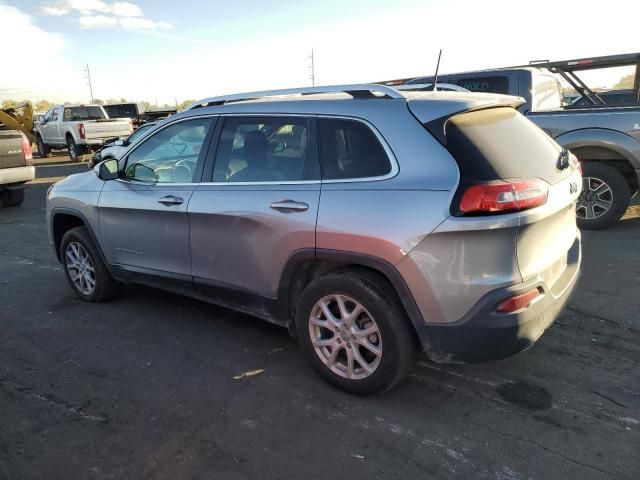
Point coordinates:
[(107, 169)]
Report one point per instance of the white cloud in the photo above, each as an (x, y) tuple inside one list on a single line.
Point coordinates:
[(126, 9), (143, 24), (99, 14), (53, 77), (96, 21)]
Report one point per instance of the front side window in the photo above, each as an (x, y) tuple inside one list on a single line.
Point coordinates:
[(349, 149), (54, 115), (170, 155), (267, 149)]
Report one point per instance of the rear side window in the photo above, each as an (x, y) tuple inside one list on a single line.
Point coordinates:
[(350, 150), (270, 149), (500, 143)]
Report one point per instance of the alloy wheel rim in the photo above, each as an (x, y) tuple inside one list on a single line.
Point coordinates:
[(80, 268), (595, 200), (345, 337)]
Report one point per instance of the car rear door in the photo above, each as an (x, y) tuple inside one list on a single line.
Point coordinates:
[(143, 215), (258, 207)]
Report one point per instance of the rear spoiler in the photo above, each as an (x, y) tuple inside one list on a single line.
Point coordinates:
[(439, 108)]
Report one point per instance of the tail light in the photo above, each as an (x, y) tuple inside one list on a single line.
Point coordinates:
[(518, 302), (26, 150), (81, 130), (503, 196)]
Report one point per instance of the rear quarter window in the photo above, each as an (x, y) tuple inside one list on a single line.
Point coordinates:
[(350, 150)]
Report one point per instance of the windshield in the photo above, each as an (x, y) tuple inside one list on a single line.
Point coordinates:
[(94, 112), (139, 132)]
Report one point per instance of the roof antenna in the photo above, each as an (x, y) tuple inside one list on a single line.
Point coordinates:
[(435, 77)]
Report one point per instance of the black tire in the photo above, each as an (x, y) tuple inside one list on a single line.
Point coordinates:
[(105, 286), (73, 150), (619, 196), (396, 335), (13, 198), (43, 150)]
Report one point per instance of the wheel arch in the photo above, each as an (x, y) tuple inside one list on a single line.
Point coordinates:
[(63, 220), (305, 265), (608, 147)]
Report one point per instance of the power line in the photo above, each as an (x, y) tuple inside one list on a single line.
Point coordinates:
[(88, 77)]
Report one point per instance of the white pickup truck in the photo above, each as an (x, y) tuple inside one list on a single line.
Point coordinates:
[(79, 129)]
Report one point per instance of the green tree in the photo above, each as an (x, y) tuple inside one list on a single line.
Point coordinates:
[(184, 105), (98, 101), (625, 82), (10, 103), (42, 105)]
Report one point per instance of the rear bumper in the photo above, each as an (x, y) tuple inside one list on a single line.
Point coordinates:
[(17, 175), (485, 335)]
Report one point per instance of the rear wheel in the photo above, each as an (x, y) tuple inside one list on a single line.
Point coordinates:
[(43, 150), (354, 333), (604, 198), (73, 149), (13, 198), (84, 268)]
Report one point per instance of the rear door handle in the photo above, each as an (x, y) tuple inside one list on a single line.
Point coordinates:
[(289, 206), (171, 200)]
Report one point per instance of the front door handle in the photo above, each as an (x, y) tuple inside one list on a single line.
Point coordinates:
[(287, 206), (171, 200)]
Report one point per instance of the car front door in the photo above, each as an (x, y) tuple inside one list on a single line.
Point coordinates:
[(46, 128), (258, 207), (143, 219)]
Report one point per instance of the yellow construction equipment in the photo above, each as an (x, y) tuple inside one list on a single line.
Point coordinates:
[(19, 118)]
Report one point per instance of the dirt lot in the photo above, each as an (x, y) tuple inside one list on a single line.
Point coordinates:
[(155, 386)]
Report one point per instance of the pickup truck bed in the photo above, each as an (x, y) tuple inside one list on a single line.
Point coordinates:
[(16, 166), (604, 137)]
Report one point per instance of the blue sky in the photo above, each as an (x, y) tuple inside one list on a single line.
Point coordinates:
[(166, 50)]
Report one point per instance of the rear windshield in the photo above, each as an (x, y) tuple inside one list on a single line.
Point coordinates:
[(497, 84), (500, 143), (72, 114), (126, 110)]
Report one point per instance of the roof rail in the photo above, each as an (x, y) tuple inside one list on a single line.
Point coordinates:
[(365, 90)]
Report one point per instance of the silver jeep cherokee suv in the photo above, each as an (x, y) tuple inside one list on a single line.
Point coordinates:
[(363, 218)]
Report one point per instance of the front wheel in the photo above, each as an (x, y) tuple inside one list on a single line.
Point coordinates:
[(43, 149), (84, 268), (354, 333), (604, 198)]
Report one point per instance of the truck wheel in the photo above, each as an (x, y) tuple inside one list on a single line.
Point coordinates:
[(43, 150), (354, 333), (604, 198), (13, 198), (74, 151)]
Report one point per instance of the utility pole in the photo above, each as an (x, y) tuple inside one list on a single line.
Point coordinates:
[(312, 77), (88, 77)]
